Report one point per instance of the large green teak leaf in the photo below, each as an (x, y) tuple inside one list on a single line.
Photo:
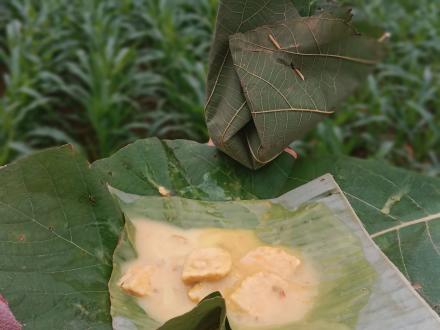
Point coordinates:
[(295, 74), (279, 75), (58, 229), (399, 209), (226, 110)]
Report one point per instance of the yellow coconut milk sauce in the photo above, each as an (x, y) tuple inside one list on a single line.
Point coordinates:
[(263, 285)]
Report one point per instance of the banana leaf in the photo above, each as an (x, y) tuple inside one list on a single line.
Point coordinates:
[(360, 288), (274, 74)]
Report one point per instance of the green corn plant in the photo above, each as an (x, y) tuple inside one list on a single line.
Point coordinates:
[(106, 75), (28, 55), (394, 117), (179, 34), (100, 74), (21, 96)]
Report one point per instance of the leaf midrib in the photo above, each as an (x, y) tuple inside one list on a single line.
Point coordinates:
[(334, 56)]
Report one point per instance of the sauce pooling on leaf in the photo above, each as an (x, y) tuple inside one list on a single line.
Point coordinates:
[(263, 285)]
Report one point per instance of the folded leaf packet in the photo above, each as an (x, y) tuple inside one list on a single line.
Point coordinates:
[(273, 75), (357, 286)]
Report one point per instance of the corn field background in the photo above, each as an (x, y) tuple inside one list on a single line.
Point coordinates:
[(101, 74)]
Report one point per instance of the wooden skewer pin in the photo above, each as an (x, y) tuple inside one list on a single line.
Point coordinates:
[(274, 41), (291, 152), (277, 46), (296, 70), (384, 37)]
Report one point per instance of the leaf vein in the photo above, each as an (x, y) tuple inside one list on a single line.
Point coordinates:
[(407, 224)]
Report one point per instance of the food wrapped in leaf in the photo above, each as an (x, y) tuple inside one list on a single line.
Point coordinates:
[(301, 261), (273, 75)]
